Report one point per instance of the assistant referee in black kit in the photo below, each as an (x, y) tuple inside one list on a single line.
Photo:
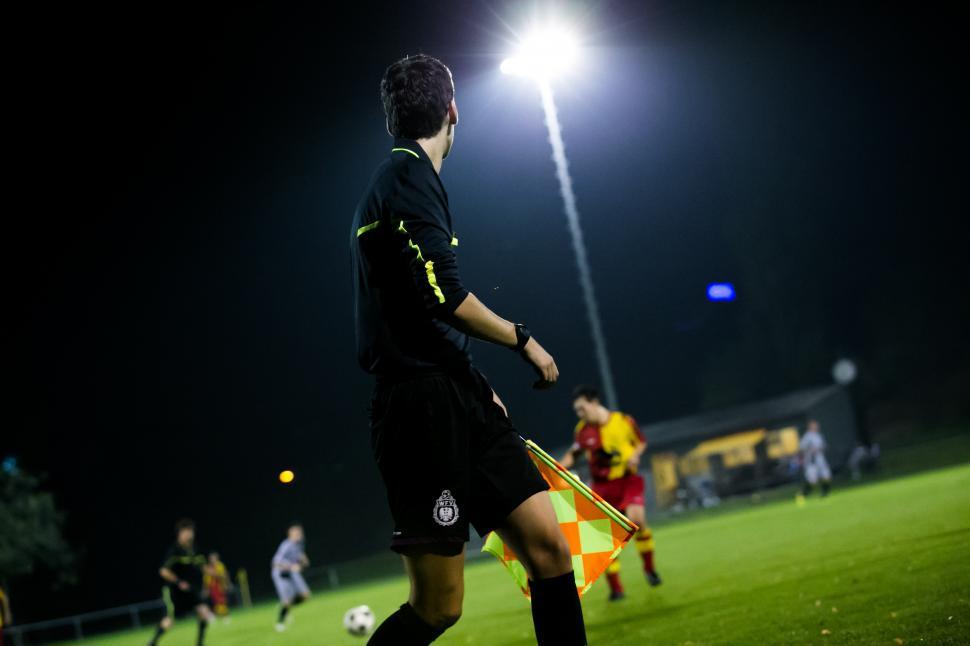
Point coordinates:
[(444, 445)]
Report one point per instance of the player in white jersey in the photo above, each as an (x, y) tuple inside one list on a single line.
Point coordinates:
[(288, 564), (816, 467)]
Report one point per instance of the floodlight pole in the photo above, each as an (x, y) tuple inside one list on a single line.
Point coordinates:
[(579, 244)]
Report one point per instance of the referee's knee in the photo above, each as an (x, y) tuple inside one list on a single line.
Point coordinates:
[(549, 556), (448, 618), (440, 605), (441, 615)]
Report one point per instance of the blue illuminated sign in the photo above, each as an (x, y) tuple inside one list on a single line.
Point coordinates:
[(720, 292)]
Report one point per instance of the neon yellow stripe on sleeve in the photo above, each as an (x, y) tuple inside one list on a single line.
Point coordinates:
[(416, 248), (367, 227), (429, 267), (454, 241)]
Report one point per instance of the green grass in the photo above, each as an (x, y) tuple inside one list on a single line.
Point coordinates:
[(870, 565)]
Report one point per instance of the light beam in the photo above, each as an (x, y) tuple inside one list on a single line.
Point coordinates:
[(579, 243), (544, 54)]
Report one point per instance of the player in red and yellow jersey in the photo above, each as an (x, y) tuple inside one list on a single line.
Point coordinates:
[(217, 583), (613, 445)]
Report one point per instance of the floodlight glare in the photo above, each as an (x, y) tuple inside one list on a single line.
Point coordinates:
[(543, 54)]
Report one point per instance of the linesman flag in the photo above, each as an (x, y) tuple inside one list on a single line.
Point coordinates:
[(596, 532)]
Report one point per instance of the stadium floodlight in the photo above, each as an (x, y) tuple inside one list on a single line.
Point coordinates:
[(541, 56), (544, 54), (844, 372)]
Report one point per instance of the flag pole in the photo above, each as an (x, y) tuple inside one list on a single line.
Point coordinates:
[(579, 485)]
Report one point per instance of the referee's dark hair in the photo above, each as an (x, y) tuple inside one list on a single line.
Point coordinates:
[(590, 393), (416, 91), (184, 523)]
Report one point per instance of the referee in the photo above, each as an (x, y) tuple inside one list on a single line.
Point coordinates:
[(182, 573), (441, 437)]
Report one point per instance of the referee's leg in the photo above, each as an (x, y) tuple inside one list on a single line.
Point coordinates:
[(434, 604), (437, 586), (532, 531)]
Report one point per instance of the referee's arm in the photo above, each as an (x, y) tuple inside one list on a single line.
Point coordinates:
[(434, 269), (474, 318), (568, 459), (170, 577)]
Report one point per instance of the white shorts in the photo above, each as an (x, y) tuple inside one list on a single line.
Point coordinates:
[(817, 469), (289, 585)]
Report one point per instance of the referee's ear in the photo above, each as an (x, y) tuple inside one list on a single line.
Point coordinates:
[(452, 113)]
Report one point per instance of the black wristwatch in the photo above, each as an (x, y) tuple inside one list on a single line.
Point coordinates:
[(522, 336)]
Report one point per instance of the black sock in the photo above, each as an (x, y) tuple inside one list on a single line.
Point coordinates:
[(283, 611), (806, 489), (297, 600), (556, 612), (159, 631), (404, 628), (203, 624), (825, 488)]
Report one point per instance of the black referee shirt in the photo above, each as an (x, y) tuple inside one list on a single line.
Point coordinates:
[(406, 282), (186, 564)]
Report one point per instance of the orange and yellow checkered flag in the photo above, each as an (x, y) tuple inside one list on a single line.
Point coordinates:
[(596, 532)]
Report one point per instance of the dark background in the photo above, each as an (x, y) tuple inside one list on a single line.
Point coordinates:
[(180, 323)]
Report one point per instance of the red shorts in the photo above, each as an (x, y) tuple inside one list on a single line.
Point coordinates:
[(622, 492), (217, 594)]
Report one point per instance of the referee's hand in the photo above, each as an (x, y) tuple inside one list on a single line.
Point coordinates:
[(543, 363)]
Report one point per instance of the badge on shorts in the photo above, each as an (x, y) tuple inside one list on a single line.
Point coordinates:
[(445, 510)]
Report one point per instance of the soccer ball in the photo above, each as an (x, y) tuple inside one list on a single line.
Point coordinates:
[(359, 620)]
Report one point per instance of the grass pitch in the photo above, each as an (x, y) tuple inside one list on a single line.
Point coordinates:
[(885, 563)]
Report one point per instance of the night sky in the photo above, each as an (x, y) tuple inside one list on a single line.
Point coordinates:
[(179, 324)]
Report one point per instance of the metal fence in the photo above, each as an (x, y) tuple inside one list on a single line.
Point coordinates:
[(321, 578), (87, 624), (100, 622)]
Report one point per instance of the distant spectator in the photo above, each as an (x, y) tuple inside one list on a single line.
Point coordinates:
[(815, 466), (863, 458)]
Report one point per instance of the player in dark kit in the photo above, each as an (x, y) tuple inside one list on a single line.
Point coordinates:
[(182, 570), (442, 439)]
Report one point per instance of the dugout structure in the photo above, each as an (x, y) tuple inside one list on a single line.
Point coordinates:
[(698, 460)]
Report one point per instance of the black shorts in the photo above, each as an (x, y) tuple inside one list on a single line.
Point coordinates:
[(179, 603), (449, 456)]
